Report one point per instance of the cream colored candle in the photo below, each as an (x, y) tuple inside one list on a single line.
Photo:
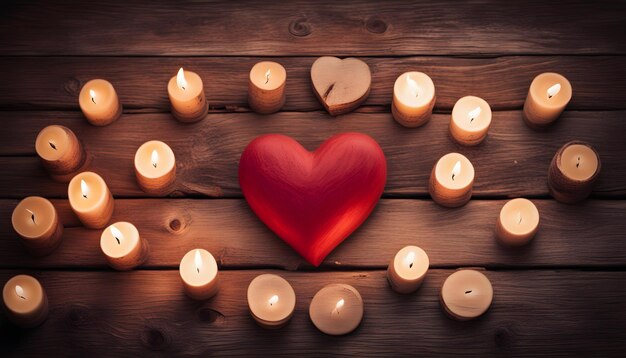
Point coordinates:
[(198, 271), (25, 301), (548, 95), (122, 246), (272, 300), (155, 167), (266, 87), (336, 309), (413, 99), (60, 152), (466, 294), (518, 222), (91, 200), (451, 180), (186, 94), (471, 118), (573, 172), (99, 103), (407, 270), (36, 221)]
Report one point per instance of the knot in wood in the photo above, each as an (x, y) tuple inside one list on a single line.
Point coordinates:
[(77, 316), (72, 86), (175, 225), (376, 25), (210, 315), (300, 27), (154, 338), (503, 337)]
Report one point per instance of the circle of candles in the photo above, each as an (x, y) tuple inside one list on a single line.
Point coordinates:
[(122, 246), (272, 300), (99, 103), (25, 301), (471, 118), (198, 271), (451, 180), (518, 222), (466, 294), (336, 309), (60, 152), (90, 200), (36, 221), (407, 270), (266, 87), (548, 95), (186, 94), (155, 167), (413, 99), (573, 171)]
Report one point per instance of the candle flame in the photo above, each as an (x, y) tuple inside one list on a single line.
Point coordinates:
[(19, 291), (408, 260), (92, 94), (413, 87), (117, 234), (273, 300), (339, 304), (474, 113), (267, 76), (154, 157), (198, 260), (552, 91), (457, 169), (180, 79), (84, 189), (32, 215)]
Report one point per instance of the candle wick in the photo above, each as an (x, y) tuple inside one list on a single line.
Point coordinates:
[(154, 165), (32, 216), (411, 265), (471, 119), (198, 269), (118, 240), (466, 292), (85, 196), (549, 96), (267, 79), (452, 176), (183, 87), (52, 145), (520, 220), (578, 162), (22, 297), (93, 100)]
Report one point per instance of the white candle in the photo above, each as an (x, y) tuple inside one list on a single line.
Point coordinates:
[(266, 87), (155, 167), (518, 222), (271, 300), (199, 273), (99, 102), (91, 200), (466, 294), (471, 118), (407, 270), (36, 221), (336, 309), (413, 99), (573, 171), (60, 152), (451, 180), (122, 246), (548, 95), (186, 93), (25, 301)]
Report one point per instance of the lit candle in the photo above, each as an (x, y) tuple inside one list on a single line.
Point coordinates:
[(451, 180), (198, 271), (25, 301), (36, 221), (573, 172), (336, 309), (266, 87), (271, 300), (548, 95), (122, 246), (466, 294), (90, 200), (413, 99), (155, 167), (518, 222), (60, 152), (186, 94), (99, 103), (407, 270), (471, 118)]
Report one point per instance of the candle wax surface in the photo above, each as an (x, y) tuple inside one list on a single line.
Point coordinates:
[(419, 265), (260, 292), (515, 209), (330, 320), (467, 293), (192, 89), (143, 159), (97, 194), (33, 292), (407, 95), (55, 135), (128, 241), (189, 271), (539, 90), (444, 169), (587, 165), (465, 105), (277, 75), (44, 212)]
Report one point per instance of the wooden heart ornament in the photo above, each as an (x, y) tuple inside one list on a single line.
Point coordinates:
[(313, 200), (341, 85)]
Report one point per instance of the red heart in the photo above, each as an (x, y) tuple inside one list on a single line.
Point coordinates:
[(313, 200)]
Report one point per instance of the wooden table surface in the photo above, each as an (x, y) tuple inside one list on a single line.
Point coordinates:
[(563, 295)]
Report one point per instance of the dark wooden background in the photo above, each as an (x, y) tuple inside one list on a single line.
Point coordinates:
[(564, 295)]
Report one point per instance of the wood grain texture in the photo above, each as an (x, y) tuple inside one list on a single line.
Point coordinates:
[(512, 161), (599, 82), (143, 27), (585, 235), (146, 313)]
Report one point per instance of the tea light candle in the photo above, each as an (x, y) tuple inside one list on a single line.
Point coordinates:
[(198, 271), (25, 301), (413, 99), (36, 221), (573, 171), (99, 103), (451, 180), (186, 94), (90, 200), (466, 294), (155, 167), (60, 152), (266, 87), (471, 118), (548, 95), (407, 270), (336, 309), (518, 222), (122, 246), (272, 300)]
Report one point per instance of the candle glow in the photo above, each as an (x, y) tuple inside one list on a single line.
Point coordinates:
[(117, 234), (180, 79), (554, 90), (339, 304), (457, 169), (474, 113), (273, 300), (84, 189), (92, 94), (154, 158), (408, 260), (267, 76), (198, 261), (19, 291), (412, 85)]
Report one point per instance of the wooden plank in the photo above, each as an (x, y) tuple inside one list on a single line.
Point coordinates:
[(142, 27), (599, 82), (513, 161), (534, 313), (590, 234)]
